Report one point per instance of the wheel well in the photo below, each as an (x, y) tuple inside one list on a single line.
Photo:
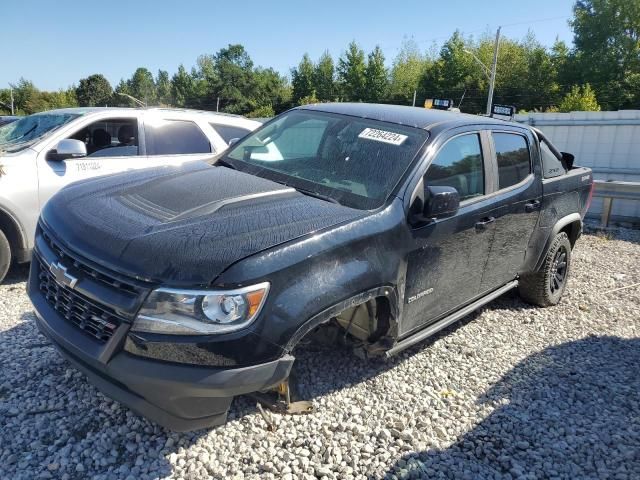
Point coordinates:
[(11, 231), (368, 326), (573, 231)]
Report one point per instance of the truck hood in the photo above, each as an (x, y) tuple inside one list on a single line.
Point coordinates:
[(182, 226)]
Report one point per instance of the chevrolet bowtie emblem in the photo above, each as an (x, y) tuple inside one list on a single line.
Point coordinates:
[(60, 274)]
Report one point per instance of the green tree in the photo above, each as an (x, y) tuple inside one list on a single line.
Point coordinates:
[(454, 74), (309, 99), (542, 89), (5, 100), (41, 101), (580, 99), (28, 99), (607, 49), (119, 100), (302, 79), (352, 73), (324, 80), (24, 95), (376, 77), (523, 72), (235, 77), (142, 86), (181, 87), (266, 111), (408, 68), (94, 91), (270, 90), (163, 87)]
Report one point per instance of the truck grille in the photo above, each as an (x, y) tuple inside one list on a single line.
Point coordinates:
[(84, 314), (87, 270)]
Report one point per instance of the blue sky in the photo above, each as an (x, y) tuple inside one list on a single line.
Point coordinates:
[(56, 43)]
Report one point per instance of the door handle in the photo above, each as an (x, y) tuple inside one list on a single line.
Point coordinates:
[(484, 223), (532, 206)]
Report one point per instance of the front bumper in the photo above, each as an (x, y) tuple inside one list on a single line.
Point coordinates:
[(179, 397)]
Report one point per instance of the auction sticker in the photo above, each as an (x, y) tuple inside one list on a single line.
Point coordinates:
[(382, 136)]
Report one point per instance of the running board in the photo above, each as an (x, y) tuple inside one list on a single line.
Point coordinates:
[(446, 321)]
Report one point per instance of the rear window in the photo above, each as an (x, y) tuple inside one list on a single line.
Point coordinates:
[(551, 165), (229, 132), (514, 161), (175, 137)]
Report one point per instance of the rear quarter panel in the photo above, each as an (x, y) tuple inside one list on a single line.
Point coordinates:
[(563, 200)]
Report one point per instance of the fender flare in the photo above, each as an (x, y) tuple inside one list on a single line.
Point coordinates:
[(559, 225), (324, 316), (19, 230)]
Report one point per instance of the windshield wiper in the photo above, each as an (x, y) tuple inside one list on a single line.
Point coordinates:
[(19, 139), (311, 193), (224, 163)]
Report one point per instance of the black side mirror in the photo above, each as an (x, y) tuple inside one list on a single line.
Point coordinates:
[(441, 202), (568, 159), (433, 202)]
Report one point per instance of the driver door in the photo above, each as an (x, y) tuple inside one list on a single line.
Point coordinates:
[(112, 146), (448, 255)]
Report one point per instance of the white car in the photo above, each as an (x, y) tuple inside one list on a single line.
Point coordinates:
[(42, 153)]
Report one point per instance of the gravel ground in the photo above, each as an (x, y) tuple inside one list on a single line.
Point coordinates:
[(510, 392)]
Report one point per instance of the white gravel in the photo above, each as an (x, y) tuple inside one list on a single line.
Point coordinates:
[(510, 392)]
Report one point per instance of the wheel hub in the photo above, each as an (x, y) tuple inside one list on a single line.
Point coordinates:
[(558, 271)]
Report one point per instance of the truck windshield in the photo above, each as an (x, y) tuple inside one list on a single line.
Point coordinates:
[(354, 161), (19, 134)]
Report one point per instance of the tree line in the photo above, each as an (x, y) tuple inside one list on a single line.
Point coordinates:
[(601, 70)]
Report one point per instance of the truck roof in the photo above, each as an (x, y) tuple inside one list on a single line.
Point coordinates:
[(85, 110), (417, 117)]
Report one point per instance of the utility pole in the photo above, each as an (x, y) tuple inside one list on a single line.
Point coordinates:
[(11, 92), (218, 104), (414, 97), (494, 66)]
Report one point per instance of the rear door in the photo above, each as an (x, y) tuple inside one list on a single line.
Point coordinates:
[(517, 204), (447, 257)]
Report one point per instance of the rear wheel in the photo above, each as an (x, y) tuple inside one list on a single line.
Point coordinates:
[(5, 256), (546, 286)]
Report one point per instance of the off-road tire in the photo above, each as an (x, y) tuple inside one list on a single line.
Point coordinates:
[(5, 256), (546, 286)]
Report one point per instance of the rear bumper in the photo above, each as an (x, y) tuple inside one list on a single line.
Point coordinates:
[(178, 397)]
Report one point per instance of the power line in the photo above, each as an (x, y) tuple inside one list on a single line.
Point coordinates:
[(486, 29)]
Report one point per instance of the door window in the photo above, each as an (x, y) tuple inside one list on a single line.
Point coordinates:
[(551, 165), (459, 164), (114, 137), (514, 162), (175, 137), (229, 132)]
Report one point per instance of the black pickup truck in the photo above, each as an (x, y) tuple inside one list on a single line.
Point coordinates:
[(175, 289)]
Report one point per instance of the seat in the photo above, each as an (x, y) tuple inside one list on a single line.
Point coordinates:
[(101, 139), (126, 135)]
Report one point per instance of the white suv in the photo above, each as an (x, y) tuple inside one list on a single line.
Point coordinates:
[(42, 153)]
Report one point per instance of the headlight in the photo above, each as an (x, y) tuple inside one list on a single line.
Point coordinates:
[(200, 312)]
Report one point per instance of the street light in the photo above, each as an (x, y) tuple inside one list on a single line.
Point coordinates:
[(139, 102), (486, 70), (489, 72)]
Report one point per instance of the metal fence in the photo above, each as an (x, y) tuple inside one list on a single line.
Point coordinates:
[(606, 142)]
